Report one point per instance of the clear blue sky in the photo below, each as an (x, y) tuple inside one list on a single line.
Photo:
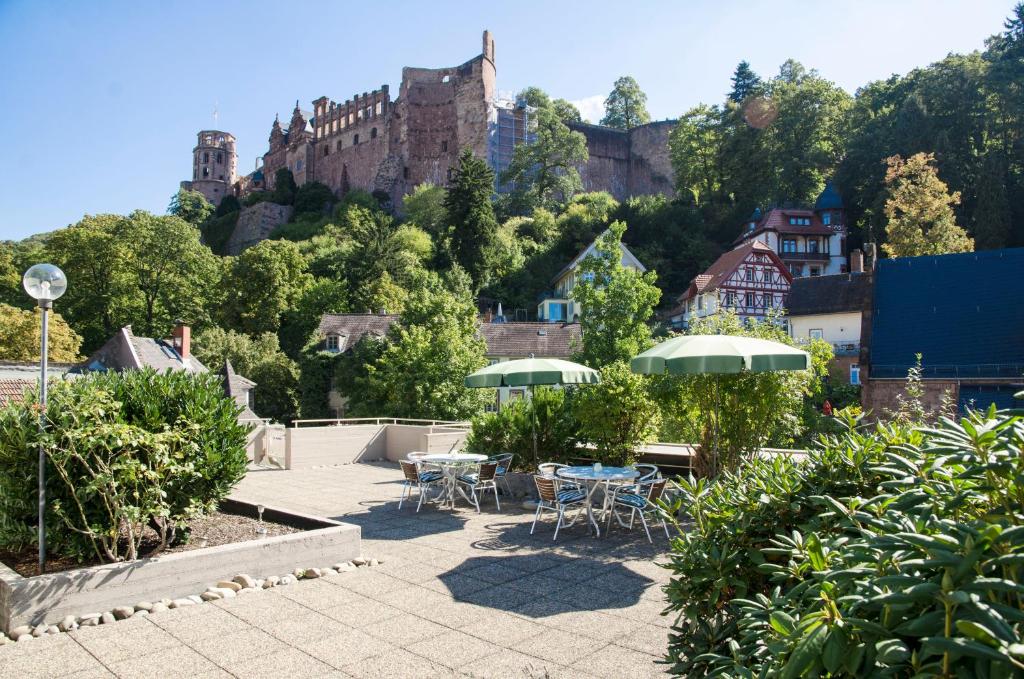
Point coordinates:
[(102, 100)]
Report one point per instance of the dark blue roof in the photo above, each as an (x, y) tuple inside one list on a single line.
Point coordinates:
[(963, 313), (829, 198)]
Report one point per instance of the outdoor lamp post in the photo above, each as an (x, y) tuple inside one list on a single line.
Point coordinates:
[(43, 283)]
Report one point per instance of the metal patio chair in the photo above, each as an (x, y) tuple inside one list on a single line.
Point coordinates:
[(484, 479), (641, 499), (420, 479), (504, 462), (553, 499)]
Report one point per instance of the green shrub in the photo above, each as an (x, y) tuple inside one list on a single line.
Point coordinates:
[(217, 231), (617, 415), (510, 430), (124, 451), (894, 552)]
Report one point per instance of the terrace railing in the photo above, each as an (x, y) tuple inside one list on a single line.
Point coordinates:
[(342, 421)]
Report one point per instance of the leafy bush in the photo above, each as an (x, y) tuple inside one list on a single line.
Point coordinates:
[(217, 231), (617, 415), (511, 430), (894, 552), (124, 450)]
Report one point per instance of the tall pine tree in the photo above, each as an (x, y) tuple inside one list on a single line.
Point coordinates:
[(471, 217)]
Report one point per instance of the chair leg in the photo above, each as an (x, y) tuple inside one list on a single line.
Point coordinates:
[(647, 530), (536, 515), (632, 517), (401, 499), (496, 500), (561, 514), (476, 501), (665, 526), (420, 503)]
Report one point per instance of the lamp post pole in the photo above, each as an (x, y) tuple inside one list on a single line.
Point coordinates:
[(43, 283), (45, 305)]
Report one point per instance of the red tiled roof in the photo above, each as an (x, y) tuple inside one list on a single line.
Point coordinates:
[(724, 266), (778, 220), (13, 391)]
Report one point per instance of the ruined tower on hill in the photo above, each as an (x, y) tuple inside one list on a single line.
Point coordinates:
[(389, 146), (214, 165)]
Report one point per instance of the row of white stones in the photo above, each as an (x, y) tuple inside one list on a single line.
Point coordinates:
[(239, 585)]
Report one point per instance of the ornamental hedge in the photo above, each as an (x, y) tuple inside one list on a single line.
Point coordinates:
[(127, 454), (896, 551)]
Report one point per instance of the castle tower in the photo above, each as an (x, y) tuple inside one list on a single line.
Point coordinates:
[(214, 165)]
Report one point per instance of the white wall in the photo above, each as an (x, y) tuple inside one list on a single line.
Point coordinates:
[(836, 328)]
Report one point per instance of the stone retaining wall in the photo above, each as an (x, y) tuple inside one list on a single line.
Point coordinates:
[(51, 597)]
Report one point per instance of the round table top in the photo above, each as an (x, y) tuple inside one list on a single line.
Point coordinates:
[(587, 473), (451, 458)]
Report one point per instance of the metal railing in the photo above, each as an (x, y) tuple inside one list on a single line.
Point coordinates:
[(341, 421), (955, 372), (807, 256)]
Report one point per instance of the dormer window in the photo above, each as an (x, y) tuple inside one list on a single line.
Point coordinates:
[(826, 218), (334, 343)]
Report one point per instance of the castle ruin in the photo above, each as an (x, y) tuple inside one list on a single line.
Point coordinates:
[(384, 145)]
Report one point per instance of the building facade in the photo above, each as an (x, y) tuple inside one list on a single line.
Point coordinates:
[(388, 146), (812, 242), (830, 308), (750, 280), (557, 304)]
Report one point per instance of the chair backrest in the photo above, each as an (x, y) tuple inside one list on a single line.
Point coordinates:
[(550, 469), (504, 461), (410, 470), (545, 488), (656, 490), (647, 471), (487, 471)]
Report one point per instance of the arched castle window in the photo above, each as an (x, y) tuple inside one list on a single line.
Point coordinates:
[(373, 133), (355, 140), (220, 157), (444, 146), (206, 156), (327, 149)]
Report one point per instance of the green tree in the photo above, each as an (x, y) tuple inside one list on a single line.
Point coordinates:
[(260, 359), (745, 82), (471, 215), (313, 198), (227, 205), (696, 153), (919, 210), (626, 105), (284, 187), (322, 296), (423, 362), (380, 256), (567, 111), (425, 208), (171, 273), (617, 415), (191, 206), (263, 283), (545, 172), (616, 302), (20, 336), (10, 279), (101, 297)]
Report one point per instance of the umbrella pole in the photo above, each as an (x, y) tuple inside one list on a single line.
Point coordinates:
[(533, 423), (718, 415)]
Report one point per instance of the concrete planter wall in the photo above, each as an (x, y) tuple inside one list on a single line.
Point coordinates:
[(50, 597), (348, 443)]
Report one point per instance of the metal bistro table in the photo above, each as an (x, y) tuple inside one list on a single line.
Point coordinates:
[(593, 479), (452, 464)]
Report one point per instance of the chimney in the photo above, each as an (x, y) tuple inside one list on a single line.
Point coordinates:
[(856, 261), (870, 257), (181, 339)]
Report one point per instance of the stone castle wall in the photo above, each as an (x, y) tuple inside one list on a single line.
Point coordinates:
[(628, 163), (255, 223)]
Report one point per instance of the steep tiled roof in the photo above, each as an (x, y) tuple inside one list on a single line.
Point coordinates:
[(353, 327), (719, 272), (778, 220), (829, 199), (13, 390), (238, 388), (828, 294), (127, 351), (543, 340)]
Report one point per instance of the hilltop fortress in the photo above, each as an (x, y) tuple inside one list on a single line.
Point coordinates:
[(379, 144)]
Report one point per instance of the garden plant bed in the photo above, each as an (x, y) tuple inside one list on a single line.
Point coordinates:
[(218, 528), (302, 541)]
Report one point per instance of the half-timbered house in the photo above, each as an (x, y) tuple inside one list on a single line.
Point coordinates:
[(750, 279)]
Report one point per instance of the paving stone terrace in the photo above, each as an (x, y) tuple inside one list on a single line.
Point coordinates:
[(458, 595)]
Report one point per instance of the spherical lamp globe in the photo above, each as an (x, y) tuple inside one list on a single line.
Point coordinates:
[(44, 282)]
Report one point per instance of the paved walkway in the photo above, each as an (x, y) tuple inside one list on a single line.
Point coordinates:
[(458, 595)]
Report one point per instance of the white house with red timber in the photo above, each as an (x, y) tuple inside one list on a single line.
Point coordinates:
[(750, 279)]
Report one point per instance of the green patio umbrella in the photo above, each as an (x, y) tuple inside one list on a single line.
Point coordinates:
[(718, 355), (529, 372)]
